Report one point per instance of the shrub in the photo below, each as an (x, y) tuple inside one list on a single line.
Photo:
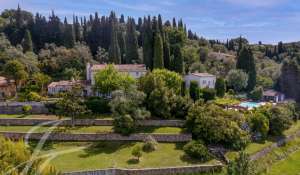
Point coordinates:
[(97, 105), (208, 94), (197, 150), (150, 144), (33, 96), (280, 120), (26, 109), (259, 124), (124, 124)]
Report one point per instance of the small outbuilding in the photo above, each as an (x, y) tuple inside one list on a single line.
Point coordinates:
[(273, 95)]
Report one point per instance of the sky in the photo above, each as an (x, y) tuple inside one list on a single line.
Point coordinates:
[(269, 21)]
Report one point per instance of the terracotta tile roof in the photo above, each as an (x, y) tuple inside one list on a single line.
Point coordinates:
[(4, 81), (203, 74), (271, 93), (122, 67), (66, 83)]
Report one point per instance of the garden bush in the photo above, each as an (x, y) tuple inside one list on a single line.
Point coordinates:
[(197, 150), (26, 109), (98, 105), (150, 144)]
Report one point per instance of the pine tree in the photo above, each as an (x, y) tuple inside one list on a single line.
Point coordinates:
[(114, 52), (132, 55), (178, 60), (27, 42), (158, 60)]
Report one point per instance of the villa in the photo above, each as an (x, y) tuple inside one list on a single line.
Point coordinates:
[(204, 80), (134, 70)]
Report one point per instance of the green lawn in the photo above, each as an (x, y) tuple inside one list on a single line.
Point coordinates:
[(114, 154), (91, 129), (289, 166)]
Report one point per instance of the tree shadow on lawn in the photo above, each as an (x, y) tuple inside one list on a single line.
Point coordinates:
[(133, 161), (105, 147)]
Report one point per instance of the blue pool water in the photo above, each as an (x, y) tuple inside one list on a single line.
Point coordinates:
[(249, 104)]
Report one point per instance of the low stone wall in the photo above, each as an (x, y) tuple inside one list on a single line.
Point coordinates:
[(99, 137), (278, 143), (88, 122), (16, 107), (154, 171)]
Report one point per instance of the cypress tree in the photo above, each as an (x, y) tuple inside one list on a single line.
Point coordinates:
[(27, 42), (158, 60), (220, 87), (77, 30), (68, 35), (160, 25), (167, 57), (148, 44), (178, 60), (114, 52), (174, 23), (132, 55), (246, 63), (122, 45)]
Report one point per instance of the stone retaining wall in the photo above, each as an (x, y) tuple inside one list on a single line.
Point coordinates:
[(278, 143), (99, 137), (16, 107), (154, 171), (88, 122)]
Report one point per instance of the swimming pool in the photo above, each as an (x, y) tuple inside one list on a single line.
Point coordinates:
[(250, 105)]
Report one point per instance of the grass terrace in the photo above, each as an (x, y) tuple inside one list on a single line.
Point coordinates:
[(90, 156)]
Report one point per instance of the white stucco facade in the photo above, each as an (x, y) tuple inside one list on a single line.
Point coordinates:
[(134, 70), (204, 80)]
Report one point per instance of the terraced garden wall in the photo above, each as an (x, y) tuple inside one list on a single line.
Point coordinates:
[(154, 171), (88, 122), (16, 107), (99, 137)]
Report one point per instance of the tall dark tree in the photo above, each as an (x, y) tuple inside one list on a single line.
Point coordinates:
[(158, 60), (131, 55), (68, 35), (114, 52), (77, 29), (178, 60), (246, 63), (174, 23), (160, 23), (167, 56), (148, 44), (27, 42)]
